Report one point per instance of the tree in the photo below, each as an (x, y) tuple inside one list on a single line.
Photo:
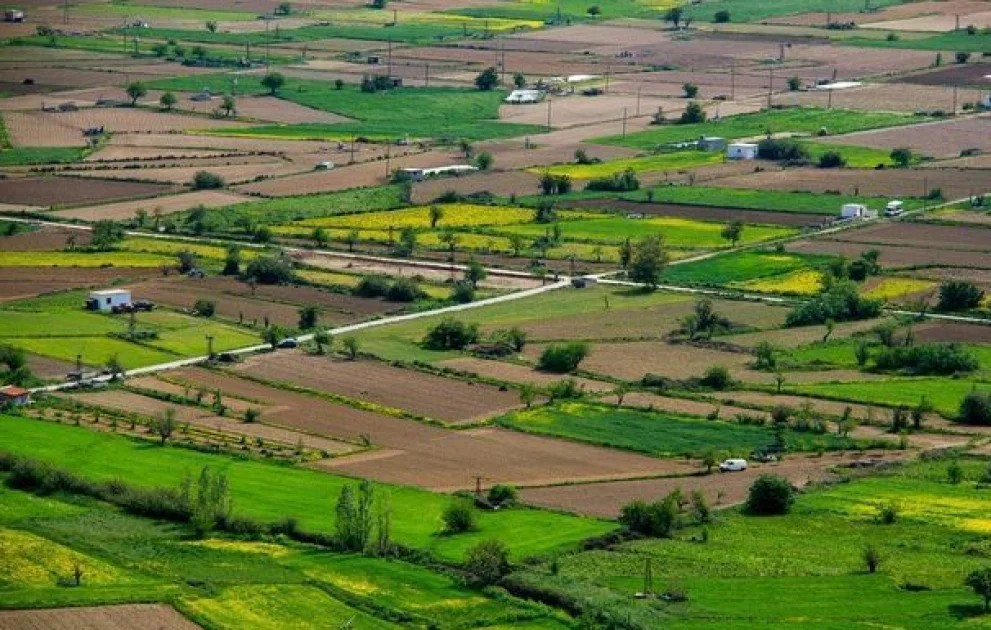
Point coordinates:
[(516, 243), (693, 114), (451, 334), (527, 394), (205, 308), (308, 317), (769, 495), (459, 516), (466, 148), (721, 17), (354, 516), (407, 242), (766, 356), (594, 10), (487, 562), (794, 84), (674, 15), (658, 519), (959, 295), (625, 253), (961, 57), (649, 260), (975, 408), (135, 91), (273, 81), (205, 180), (284, 8), (733, 232), (979, 580), (228, 105), (872, 558), (436, 214), (901, 156), (168, 101), (519, 80), (487, 80), (562, 358), (862, 353), (475, 273), (379, 4), (703, 321), (211, 26), (269, 270), (323, 338), (164, 425), (832, 159), (717, 377), (319, 236), (690, 90), (710, 459), (105, 234), (272, 335), (484, 161), (352, 238), (351, 347), (187, 260)]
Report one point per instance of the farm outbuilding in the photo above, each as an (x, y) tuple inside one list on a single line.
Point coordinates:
[(420, 174), (521, 97), (105, 301), (712, 143), (857, 211), (742, 151), (14, 395)]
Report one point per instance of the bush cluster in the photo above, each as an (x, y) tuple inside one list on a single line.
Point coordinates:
[(842, 302), (562, 358), (617, 182), (928, 359), (451, 334)]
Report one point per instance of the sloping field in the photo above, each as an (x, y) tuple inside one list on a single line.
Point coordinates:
[(232, 174), (895, 257), (702, 213), (21, 282), (923, 236), (44, 238), (125, 210), (425, 395), (940, 139), (122, 617), (49, 191), (513, 373)]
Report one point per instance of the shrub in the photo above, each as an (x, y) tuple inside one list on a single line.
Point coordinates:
[(562, 358), (717, 377), (961, 57), (901, 156), (205, 180), (658, 519), (270, 270), (487, 562), (721, 17), (887, 513), (460, 516), (372, 287), (872, 558), (933, 358), (500, 494), (975, 409), (565, 389), (954, 473), (782, 150), (769, 495), (404, 290), (831, 159), (451, 334), (462, 292), (959, 295), (841, 302), (205, 308), (693, 114), (617, 182)]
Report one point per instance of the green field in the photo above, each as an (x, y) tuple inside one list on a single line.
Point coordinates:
[(675, 161), (401, 33), (804, 571), (111, 44), (271, 492), (947, 43), (41, 155), (744, 11), (569, 10), (944, 393), (808, 120), (252, 583), (397, 113), (654, 433), (739, 267)]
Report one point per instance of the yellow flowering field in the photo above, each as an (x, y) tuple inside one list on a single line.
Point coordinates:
[(662, 162), (32, 560), (455, 215), (493, 24), (804, 282), (895, 287)]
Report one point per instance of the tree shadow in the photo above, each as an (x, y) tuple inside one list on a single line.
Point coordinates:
[(965, 611)]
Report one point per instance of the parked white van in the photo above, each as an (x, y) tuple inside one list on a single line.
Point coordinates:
[(894, 208), (733, 465)]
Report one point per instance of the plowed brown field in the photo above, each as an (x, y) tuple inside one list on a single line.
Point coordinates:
[(48, 191), (123, 617)]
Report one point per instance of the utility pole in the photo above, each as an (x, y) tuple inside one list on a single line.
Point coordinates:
[(209, 346), (829, 102), (426, 75), (624, 122), (638, 99), (267, 43), (390, 58), (548, 113), (608, 69), (388, 158), (954, 100), (352, 149), (770, 86), (65, 12)]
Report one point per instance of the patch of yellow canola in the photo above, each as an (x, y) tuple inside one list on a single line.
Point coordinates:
[(33, 560), (890, 288), (259, 548), (805, 282)]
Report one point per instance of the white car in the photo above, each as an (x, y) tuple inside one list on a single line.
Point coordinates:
[(733, 465)]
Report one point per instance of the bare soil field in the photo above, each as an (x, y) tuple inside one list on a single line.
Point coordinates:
[(136, 403), (939, 140), (218, 143), (33, 130), (513, 373), (260, 108), (962, 75), (132, 120), (48, 368), (953, 331), (451, 461), (981, 277), (236, 173), (411, 452), (829, 408), (43, 238), (647, 323), (65, 78), (50, 191), (895, 183), (111, 153), (606, 499), (894, 12), (423, 394), (937, 23), (22, 282), (794, 337), (701, 213), (572, 111), (920, 235), (302, 295), (125, 210), (369, 174), (595, 35), (514, 154), (121, 617), (881, 97), (894, 257), (503, 183)]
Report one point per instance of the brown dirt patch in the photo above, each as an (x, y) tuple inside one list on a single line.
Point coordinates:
[(794, 337), (49, 191), (112, 153), (261, 108), (371, 381), (43, 239), (680, 405), (22, 282), (895, 183), (166, 205), (606, 499), (953, 331), (497, 182), (34, 130), (921, 235), (961, 75), (941, 139), (47, 368), (702, 213), (894, 257), (131, 120), (218, 143), (123, 617), (513, 373), (232, 174), (884, 97)]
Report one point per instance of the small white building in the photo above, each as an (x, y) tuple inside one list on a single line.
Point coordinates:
[(525, 97), (742, 151), (420, 174), (857, 211), (105, 301)]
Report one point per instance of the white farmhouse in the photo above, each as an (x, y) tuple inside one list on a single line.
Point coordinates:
[(105, 301), (742, 151)]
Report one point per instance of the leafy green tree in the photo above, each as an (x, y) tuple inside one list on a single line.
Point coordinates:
[(460, 516), (770, 495), (168, 101), (105, 234), (674, 15), (693, 114), (308, 317), (351, 347), (563, 358), (519, 80), (205, 180), (901, 156), (487, 80), (487, 562), (733, 232), (273, 82), (690, 90), (484, 161), (136, 90), (475, 273), (164, 425), (436, 214), (324, 341), (228, 105), (211, 25), (959, 295), (649, 260), (979, 580)]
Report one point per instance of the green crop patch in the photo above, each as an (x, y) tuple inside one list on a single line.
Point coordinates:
[(807, 120), (743, 11), (739, 267), (959, 41), (944, 393)]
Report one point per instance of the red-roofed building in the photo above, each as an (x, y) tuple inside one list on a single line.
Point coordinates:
[(14, 395)]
